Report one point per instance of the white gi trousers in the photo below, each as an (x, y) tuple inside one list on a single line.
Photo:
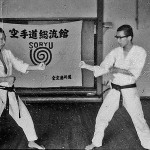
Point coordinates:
[(25, 122), (132, 103)]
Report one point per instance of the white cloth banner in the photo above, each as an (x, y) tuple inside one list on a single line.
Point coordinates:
[(58, 45)]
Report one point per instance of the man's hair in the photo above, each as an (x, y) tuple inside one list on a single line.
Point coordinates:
[(2, 31), (128, 31)]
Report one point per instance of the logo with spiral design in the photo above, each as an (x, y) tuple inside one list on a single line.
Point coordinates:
[(41, 55)]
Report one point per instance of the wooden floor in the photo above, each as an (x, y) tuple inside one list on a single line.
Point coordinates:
[(70, 125)]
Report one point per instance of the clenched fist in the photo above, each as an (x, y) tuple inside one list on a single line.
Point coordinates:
[(82, 64), (41, 66)]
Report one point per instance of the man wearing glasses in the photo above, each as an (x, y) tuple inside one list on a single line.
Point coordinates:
[(125, 63)]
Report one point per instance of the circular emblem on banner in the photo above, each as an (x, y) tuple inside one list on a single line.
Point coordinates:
[(41, 54)]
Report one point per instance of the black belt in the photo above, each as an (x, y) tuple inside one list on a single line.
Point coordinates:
[(10, 89), (118, 88)]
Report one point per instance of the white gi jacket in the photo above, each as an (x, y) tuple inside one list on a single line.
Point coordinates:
[(10, 62), (133, 62)]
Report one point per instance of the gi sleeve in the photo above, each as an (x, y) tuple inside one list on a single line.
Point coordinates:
[(138, 63), (18, 64), (105, 65)]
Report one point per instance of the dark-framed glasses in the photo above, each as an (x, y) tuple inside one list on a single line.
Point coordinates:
[(120, 37)]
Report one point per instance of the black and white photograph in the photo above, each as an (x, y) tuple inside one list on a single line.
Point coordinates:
[(75, 74)]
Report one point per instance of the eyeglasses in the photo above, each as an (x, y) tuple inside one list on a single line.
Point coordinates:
[(120, 37)]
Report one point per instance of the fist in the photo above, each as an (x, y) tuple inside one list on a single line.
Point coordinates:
[(41, 66), (82, 64)]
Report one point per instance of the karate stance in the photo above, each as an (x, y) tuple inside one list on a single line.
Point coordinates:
[(17, 109), (125, 63)]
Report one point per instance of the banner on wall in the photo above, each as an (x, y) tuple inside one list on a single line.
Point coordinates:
[(57, 45)]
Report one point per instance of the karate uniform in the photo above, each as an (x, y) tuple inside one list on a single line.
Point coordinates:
[(133, 62), (25, 121)]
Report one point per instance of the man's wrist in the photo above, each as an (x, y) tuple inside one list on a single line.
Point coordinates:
[(3, 79), (86, 66), (127, 72)]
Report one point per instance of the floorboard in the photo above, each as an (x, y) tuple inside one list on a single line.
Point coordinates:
[(70, 125)]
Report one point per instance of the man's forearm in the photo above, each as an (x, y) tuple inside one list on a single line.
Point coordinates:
[(89, 67), (41, 66), (126, 72), (3, 79), (115, 70), (30, 68)]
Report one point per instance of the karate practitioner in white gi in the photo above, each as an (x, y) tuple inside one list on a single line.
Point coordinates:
[(125, 63), (7, 61)]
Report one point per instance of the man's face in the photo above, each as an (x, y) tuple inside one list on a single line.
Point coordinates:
[(2, 40), (122, 39)]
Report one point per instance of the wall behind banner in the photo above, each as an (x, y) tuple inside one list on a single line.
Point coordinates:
[(50, 9), (46, 9)]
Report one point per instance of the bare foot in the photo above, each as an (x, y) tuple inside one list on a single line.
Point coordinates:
[(89, 147), (32, 144)]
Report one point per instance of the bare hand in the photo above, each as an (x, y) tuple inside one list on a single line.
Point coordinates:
[(10, 80), (41, 66), (82, 64)]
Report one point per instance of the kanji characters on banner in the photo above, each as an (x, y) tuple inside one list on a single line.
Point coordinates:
[(57, 45)]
